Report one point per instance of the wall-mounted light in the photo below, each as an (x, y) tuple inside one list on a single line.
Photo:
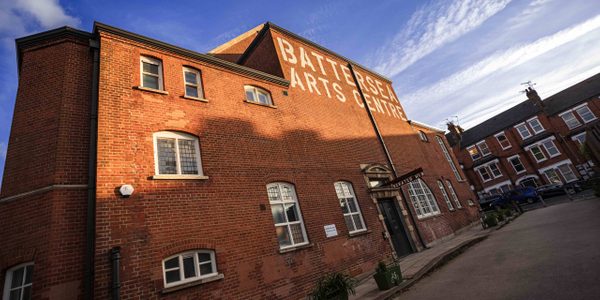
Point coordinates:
[(126, 190)]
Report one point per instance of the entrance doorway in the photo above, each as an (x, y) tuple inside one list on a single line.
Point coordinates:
[(395, 226)]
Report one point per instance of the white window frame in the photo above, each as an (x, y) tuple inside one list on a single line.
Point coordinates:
[(347, 195), (579, 138), (422, 201), (535, 121), (445, 195), (448, 158), (9, 277), (518, 158), (505, 139), (153, 61), (556, 169), (523, 125), (587, 109), (423, 136), (473, 156), (572, 118), (197, 264), (541, 152), (562, 173), (553, 146), (177, 136), (453, 194), (287, 224), (256, 91), (488, 172), (495, 164), (197, 85), (481, 149)]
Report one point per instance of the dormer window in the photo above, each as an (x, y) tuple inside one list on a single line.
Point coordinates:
[(258, 95)]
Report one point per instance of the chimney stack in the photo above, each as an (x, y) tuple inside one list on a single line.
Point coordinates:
[(455, 132), (534, 97)]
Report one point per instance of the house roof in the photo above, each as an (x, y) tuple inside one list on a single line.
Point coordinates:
[(554, 104)]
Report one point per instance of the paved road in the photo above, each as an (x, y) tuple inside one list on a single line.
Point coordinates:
[(546, 253)]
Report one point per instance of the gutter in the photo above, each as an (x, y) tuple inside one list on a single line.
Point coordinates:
[(90, 228), (387, 153)]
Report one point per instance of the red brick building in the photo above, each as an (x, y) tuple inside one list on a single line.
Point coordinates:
[(141, 169), (534, 143)]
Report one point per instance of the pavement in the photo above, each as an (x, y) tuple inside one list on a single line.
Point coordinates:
[(548, 252)]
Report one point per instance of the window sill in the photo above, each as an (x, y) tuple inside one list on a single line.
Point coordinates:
[(194, 98), (192, 283), (175, 176), (260, 104), (359, 233), (427, 217), (291, 249), (152, 90)]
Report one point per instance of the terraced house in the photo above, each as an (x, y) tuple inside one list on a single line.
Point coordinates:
[(145, 170), (534, 143)]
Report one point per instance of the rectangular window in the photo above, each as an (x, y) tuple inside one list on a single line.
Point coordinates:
[(485, 174), (579, 138), (483, 148), (495, 171), (453, 194), (567, 172), (552, 176), (193, 83), (551, 148), (350, 208), (503, 141), (523, 131), (517, 165), (585, 113), (176, 154), (474, 152), (570, 119), (535, 125), (445, 195), (151, 73), (537, 153)]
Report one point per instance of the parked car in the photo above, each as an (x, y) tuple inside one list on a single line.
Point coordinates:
[(519, 195), (554, 189), (486, 202)]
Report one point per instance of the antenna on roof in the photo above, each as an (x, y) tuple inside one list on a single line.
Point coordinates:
[(529, 85)]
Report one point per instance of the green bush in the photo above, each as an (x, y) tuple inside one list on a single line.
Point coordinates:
[(334, 286), (490, 219), (507, 212)]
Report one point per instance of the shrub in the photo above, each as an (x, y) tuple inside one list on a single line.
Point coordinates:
[(490, 219), (334, 286)]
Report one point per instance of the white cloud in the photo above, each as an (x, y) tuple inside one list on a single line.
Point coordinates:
[(19, 17), (499, 62), (432, 27)]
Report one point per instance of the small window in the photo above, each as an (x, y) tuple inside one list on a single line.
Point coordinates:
[(474, 152), (585, 113), (495, 171), (151, 73), (485, 174), (453, 193), (552, 176), (579, 138), (523, 131), (483, 148), (551, 148), (503, 141), (176, 154), (445, 195), (193, 83), (422, 199), (18, 282), (570, 119), (517, 165), (537, 154), (535, 125), (350, 208), (189, 266), (286, 215), (257, 95), (423, 136)]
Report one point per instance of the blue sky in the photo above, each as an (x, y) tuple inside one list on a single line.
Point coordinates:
[(447, 58)]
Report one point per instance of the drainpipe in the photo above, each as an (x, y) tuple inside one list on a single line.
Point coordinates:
[(115, 259), (90, 226), (387, 153)]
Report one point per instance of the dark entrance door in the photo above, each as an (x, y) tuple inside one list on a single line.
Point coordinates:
[(395, 227)]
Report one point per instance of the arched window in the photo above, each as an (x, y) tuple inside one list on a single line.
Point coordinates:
[(257, 95), (193, 83), (423, 136), (17, 284), (176, 154), (448, 157), (286, 215), (422, 199), (445, 195), (453, 193), (350, 208), (189, 266)]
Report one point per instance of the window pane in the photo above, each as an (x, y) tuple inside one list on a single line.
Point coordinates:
[(150, 81), (250, 95), (277, 212), (273, 192), (283, 236), (290, 211), (286, 193), (188, 267), (358, 222), (172, 276), (297, 233), (349, 223), (27, 293), (150, 68), (567, 172), (204, 257), (585, 114), (187, 157), (167, 163), (172, 263), (190, 77), (15, 295), (206, 269), (352, 204), (344, 206), (262, 98), (28, 274), (17, 278), (191, 91)]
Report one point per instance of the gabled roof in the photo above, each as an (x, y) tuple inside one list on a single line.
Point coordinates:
[(554, 104)]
